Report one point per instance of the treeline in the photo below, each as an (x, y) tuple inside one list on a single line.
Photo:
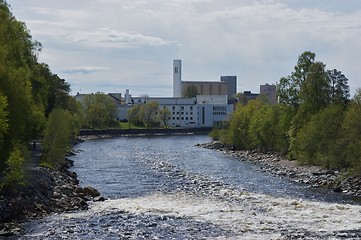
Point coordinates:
[(314, 123), (148, 115), (34, 102)]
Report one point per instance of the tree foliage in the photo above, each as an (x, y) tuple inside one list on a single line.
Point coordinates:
[(147, 113), (340, 90), (190, 91), (99, 110), (351, 132), (316, 141), (289, 87), (315, 122), (133, 115), (164, 114), (61, 128), (27, 92), (315, 89), (3, 118)]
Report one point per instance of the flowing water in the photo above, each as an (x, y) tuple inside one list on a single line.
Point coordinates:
[(166, 188)]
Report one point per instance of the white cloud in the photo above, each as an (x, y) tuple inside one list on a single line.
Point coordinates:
[(84, 70), (106, 37), (259, 41)]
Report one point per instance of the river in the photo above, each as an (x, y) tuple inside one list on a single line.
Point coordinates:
[(166, 188)]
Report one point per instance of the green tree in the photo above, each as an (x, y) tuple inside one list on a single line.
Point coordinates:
[(351, 132), (133, 115), (237, 134), (289, 87), (318, 141), (314, 97), (190, 91), (24, 116), (315, 89), (60, 129), (164, 114), (147, 113), (4, 125), (15, 172), (25, 87), (100, 110), (340, 90)]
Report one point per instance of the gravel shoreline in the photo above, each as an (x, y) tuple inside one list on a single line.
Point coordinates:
[(313, 176)]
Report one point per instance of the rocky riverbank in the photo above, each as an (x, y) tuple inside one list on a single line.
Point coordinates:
[(313, 176), (46, 191)]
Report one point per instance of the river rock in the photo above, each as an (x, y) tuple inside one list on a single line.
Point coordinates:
[(312, 176), (90, 191), (99, 199)]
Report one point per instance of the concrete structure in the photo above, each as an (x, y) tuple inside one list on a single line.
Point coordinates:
[(231, 83), (270, 91), (250, 96), (206, 87), (226, 86), (177, 78), (200, 111)]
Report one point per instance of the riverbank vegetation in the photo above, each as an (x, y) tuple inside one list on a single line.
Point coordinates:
[(315, 122), (34, 103)]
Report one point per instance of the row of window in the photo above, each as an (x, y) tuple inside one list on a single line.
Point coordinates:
[(219, 113), (220, 108), (182, 113), (180, 118), (182, 107)]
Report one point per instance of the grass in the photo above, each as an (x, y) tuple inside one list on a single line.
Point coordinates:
[(125, 125)]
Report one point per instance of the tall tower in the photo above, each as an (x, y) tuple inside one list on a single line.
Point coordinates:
[(177, 78), (232, 84)]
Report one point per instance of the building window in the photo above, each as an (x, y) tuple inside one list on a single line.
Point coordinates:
[(176, 70)]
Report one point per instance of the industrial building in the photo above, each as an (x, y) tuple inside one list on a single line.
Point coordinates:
[(211, 107), (200, 111), (226, 86)]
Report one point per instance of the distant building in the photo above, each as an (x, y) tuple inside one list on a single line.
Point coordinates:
[(212, 106), (177, 78), (206, 87), (226, 86), (270, 92), (248, 95), (200, 111), (231, 83)]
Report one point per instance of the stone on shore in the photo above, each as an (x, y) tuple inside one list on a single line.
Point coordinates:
[(313, 176), (47, 191)]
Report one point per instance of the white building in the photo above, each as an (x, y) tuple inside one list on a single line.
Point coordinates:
[(201, 111), (177, 78)]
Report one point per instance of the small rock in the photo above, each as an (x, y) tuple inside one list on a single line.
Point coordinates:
[(90, 191), (99, 199)]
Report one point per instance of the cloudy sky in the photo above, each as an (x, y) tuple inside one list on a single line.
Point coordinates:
[(113, 45)]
